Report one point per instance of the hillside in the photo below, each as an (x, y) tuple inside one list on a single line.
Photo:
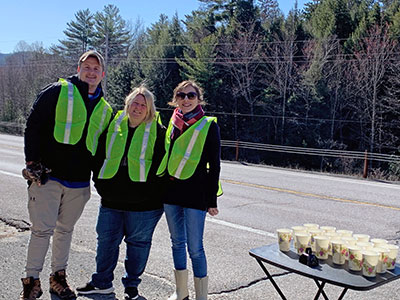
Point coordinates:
[(3, 58)]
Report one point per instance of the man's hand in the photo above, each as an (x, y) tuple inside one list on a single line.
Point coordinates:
[(213, 211), (35, 172)]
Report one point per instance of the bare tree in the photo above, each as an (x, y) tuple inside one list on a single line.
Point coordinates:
[(326, 66), (281, 74), (371, 68), (241, 56)]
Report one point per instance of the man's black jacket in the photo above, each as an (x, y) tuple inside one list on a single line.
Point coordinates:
[(67, 162)]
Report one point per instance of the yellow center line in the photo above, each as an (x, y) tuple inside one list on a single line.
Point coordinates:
[(270, 188)]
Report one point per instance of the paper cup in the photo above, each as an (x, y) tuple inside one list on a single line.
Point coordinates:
[(321, 246), (355, 258), (361, 237), (331, 235), (393, 250), (370, 261), (383, 258), (314, 233), (348, 241), (328, 228), (365, 245), (343, 232), (338, 252), (302, 242), (284, 238), (310, 226), (378, 242), (298, 229)]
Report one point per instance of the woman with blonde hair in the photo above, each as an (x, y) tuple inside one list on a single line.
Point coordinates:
[(191, 167), (130, 193)]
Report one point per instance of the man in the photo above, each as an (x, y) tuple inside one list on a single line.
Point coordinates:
[(61, 136)]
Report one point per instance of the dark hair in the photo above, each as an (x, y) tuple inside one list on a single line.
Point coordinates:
[(184, 84)]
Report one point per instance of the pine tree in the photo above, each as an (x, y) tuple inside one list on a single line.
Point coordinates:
[(112, 37), (79, 33)]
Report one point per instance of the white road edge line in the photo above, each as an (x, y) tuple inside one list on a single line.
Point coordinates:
[(11, 174), (241, 227)]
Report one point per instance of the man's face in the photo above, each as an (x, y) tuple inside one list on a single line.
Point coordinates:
[(91, 72)]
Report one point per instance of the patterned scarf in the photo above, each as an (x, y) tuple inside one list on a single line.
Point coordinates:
[(182, 122)]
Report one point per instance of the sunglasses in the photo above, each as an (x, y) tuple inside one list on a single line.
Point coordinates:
[(190, 95)]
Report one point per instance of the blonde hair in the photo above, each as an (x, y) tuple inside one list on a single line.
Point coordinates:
[(184, 84), (149, 98)]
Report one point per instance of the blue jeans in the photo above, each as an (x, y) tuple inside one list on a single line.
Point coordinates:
[(186, 226), (112, 225)]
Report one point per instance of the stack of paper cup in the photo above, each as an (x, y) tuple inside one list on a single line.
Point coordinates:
[(392, 255), (348, 241), (298, 229), (302, 241), (383, 258), (321, 246), (313, 233), (338, 251), (379, 242), (361, 237), (284, 238), (370, 262), (328, 228), (355, 258), (343, 232)]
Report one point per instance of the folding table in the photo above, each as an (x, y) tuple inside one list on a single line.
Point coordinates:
[(326, 272)]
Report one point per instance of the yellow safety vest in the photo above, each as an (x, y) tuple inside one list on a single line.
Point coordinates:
[(187, 149), (71, 116), (140, 152)]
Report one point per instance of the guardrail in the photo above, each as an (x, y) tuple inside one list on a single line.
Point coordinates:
[(366, 156)]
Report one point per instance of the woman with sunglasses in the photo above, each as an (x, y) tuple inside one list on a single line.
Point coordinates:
[(130, 192), (191, 167)]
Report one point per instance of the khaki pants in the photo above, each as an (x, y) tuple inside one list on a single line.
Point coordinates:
[(53, 210)]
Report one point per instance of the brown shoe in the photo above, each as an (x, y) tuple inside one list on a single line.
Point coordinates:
[(32, 289), (60, 287)]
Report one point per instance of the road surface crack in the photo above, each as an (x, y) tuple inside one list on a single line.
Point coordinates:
[(20, 225), (249, 284)]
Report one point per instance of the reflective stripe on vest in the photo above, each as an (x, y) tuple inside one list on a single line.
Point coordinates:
[(139, 162), (140, 151), (189, 148), (143, 152), (186, 151), (98, 122), (70, 118), (111, 136), (70, 109)]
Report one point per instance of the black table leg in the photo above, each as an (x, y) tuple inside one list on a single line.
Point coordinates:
[(343, 293), (271, 279), (320, 290)]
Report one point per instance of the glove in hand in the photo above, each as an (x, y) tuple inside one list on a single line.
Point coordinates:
[(36, 172)]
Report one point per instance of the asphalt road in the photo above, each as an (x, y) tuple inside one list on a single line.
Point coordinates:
[(257, 200)]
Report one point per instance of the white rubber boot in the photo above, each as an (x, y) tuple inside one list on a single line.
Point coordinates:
[(181, 292), (201, 287)]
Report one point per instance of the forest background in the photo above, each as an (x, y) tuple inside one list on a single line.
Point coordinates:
[(323, 80)]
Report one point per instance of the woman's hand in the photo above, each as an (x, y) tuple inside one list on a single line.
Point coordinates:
[(213, 211)]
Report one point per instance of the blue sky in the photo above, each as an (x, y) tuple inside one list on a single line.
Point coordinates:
[(44, 21)]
